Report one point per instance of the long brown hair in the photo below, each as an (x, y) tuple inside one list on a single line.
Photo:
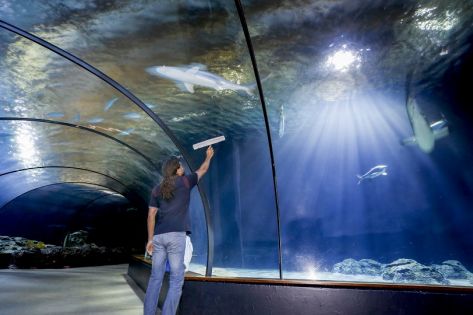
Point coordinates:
[(166, 188)]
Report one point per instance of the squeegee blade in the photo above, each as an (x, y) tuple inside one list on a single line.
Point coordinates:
[(208, 142)]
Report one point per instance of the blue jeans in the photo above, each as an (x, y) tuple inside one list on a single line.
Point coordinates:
[(170, 246)]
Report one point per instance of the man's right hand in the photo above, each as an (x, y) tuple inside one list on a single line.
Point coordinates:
[(210, 152), (149, 247)]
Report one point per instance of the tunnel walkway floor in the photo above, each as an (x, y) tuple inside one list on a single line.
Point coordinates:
[(86, 290)]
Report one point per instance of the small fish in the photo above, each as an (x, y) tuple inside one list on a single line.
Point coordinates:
[(374, 172), (110, 104), (126, 132), (282, 122), (132, 116), (95, 120), (55, 115)]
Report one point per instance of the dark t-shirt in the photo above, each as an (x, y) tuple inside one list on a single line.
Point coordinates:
[(173, 215)]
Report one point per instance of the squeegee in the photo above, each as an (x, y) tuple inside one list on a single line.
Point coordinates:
[(208, 142)]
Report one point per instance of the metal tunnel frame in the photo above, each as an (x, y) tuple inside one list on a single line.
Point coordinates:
[(98, 198), (66, 167), (82, 128), (58, 183), (165, 128), (139, 103), (244, 26)]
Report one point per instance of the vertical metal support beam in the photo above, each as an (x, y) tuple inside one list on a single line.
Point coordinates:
[(244, 26)]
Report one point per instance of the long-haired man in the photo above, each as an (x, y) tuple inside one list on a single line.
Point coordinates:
[(168, 224)]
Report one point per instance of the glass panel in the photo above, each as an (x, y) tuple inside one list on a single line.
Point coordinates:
[(368, 107), (37, 144), (199, 235), (19, 183), (37, 84), (71, 207), (353, 87), (206, 90)]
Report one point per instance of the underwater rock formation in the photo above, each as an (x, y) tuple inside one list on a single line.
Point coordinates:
[(78, 238), (452, 269), (19, 252), (353, 267), (409, 271), (406, 271)]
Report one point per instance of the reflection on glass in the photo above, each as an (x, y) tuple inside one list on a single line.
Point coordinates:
[(38, 144), (37, 83), (25, 142)]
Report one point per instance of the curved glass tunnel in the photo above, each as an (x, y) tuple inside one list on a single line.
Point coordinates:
[(74, 207), (369, 128)]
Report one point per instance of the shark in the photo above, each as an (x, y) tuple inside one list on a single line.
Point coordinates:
[(439, 130), (378, 170), (425, 134), (187, 77)]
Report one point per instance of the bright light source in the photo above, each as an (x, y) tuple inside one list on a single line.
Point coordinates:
[(343, 59)]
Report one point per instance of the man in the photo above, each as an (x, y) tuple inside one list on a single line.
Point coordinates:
[(167, 234)]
